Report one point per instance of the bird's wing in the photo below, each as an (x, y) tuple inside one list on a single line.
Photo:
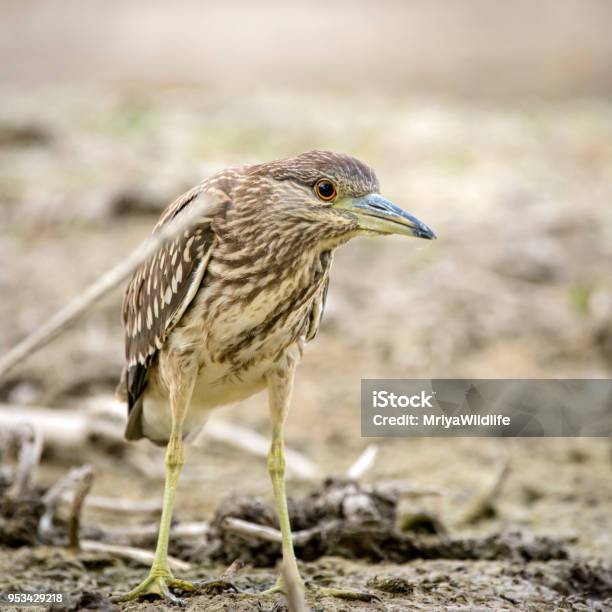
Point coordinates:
[(318, 305), (163, 286)]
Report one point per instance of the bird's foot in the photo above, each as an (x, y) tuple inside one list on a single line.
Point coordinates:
[(160, 585), (279, 587)]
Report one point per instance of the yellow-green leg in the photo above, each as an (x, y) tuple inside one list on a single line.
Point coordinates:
[(280, 386), (160, 579), (276, 467)]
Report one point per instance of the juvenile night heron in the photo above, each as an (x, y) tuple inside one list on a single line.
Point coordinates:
[(224, 310)]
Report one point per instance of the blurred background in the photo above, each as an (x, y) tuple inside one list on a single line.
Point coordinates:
[(490, 121)]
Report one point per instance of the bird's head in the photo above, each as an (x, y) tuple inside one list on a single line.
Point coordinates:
[(335, 195)]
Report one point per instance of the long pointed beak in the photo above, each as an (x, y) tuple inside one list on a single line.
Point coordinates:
[(377, 214)]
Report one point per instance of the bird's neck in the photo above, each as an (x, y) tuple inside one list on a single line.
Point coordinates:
[(282, 246)]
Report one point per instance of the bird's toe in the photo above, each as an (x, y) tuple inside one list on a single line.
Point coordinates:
[(159, 586)]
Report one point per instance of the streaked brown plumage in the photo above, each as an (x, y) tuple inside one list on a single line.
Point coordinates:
[(224, 310)]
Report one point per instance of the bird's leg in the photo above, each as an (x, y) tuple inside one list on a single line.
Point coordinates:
[(160, 578), (280, 386)]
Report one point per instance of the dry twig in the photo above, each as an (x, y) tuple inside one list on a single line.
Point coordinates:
[(30, 442), (62, 488), (239, 526), (232, 570), (135, 554), (364, 462), (59, 427), (129, 532), (84, 482), (268, 534), (252, 442), (105, 417), (483, 504), (106, 283), (123, 506)]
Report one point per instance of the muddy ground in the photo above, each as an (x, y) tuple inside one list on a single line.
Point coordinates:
[(518, 285)]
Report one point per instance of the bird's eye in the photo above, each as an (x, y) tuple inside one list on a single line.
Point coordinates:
[(325, 190)]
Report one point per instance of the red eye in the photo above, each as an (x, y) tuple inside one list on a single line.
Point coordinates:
[(325, 190)]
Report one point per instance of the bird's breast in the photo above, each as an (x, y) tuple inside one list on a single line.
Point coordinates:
[(260, 328), (238, 321)]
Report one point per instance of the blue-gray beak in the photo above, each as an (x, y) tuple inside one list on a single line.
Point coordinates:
[(377, 214)]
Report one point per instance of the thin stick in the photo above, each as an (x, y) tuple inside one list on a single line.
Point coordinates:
[(60, 427), (30, 449), (236, 525), (147, 465), (269, 534), (83, 487), (106, 283), (483, 504), (129, 532), (51, 500), (121, 505), (364, 462), (67, 428), (234, 567), (134, 554), (187, 529), (192, 529), (254, 443)]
